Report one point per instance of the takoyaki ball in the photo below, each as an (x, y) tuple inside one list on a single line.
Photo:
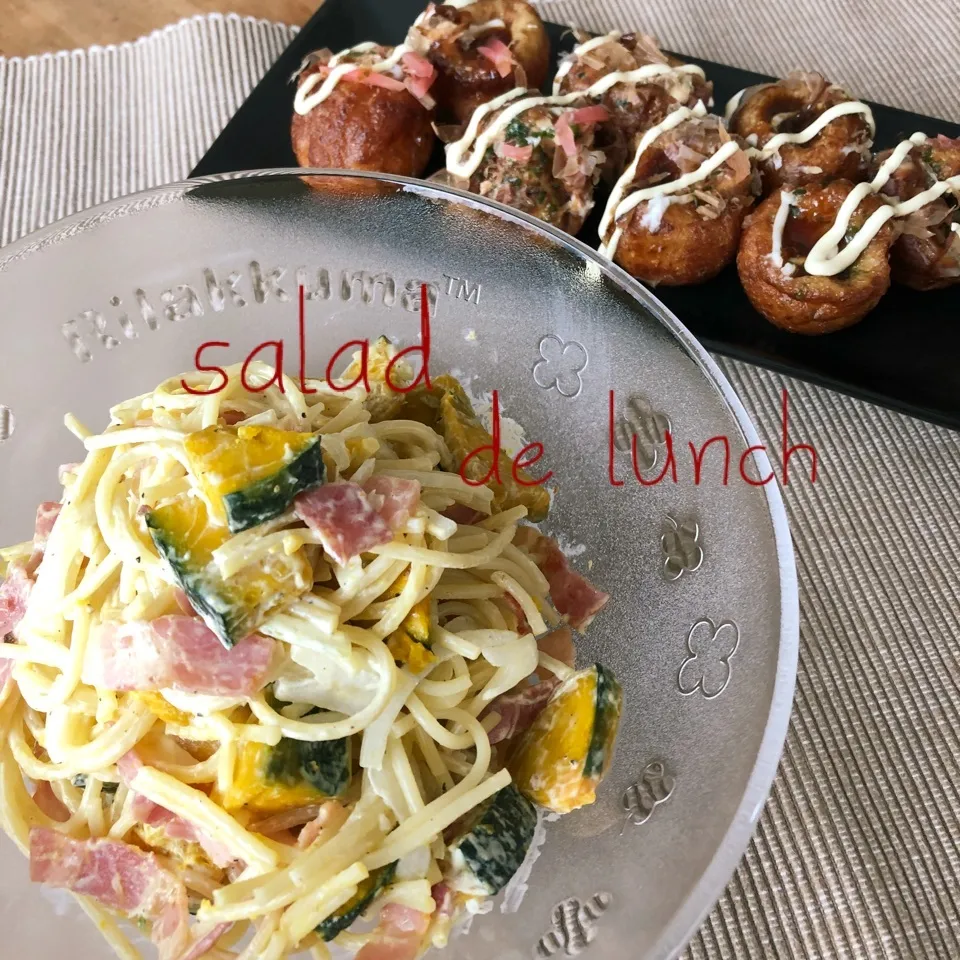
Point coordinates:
[(369, 121), (926, 255), (689, 236), (634, 107), (779, 286), (480, 50), (543, 162), (840, 150)]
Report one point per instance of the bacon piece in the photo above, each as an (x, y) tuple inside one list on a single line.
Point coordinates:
[(518, 709), (203, 945), (330, 814), (498, 53), (296, 817), (572, 595), (458, 513), (176, 828), (120, 877), (343, 517), (47, 514), (49, 803), (564, 135), (398, 936), (513, 152), (14, 594), (444, 898), (183, 602), (395, 499), (177, 652), (559, 645)]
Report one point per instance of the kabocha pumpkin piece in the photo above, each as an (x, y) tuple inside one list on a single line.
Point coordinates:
[(233, 608), (291, 774), (367, 891), (568, 749), (464, 434), (383, 402), (250, 474), (493, 844), (410, 642)]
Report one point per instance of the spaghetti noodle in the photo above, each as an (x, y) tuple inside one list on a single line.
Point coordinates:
[(267, 694)]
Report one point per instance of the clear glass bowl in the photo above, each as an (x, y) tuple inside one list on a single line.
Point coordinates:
[(703, 625)]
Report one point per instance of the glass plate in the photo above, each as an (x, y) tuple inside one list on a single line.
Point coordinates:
[(703, 625)]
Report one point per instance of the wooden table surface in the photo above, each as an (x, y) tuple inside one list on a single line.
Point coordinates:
[(36, 26)]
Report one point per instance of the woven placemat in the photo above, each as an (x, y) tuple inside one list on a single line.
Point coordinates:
[(858, 851)]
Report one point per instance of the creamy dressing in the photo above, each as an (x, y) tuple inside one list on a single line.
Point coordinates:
[(466, 167), (621, 203), (582, 48), (306, 100), (825, 258), (779, 223)]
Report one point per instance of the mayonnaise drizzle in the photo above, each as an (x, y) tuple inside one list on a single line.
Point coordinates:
[(773, 145), (304, 102), (733, 104), (779, 223), (582, 48), (480, 27), (619, 204), (461, 167), (825, 258)]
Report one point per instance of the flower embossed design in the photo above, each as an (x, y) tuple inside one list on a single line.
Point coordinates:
[(640, 424), (710, 648), (574, 926), (680, 543), (643, 797), (560, 365)]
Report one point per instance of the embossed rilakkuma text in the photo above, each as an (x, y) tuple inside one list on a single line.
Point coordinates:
[(129, 318)]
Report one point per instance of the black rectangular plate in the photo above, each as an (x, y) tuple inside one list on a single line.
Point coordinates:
[(904, 355)]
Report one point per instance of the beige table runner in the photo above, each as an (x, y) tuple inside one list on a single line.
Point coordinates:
[(858, 851)]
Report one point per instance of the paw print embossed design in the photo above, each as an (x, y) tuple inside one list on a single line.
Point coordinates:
[(560, 365), (574, 926), (680, 543), (643, 797), (648, 425), (710, 648)]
